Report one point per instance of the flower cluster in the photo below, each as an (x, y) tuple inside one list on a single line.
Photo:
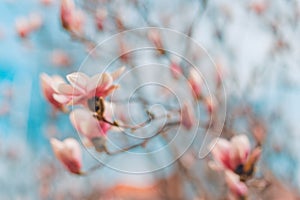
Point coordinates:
[(90, 120), (237, 160)]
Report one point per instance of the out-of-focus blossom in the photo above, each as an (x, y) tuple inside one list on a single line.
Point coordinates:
[(155, 38), (210, 104), (187, 116), (259, 6), (235, 155), (60, 58), (87, 125), (26, 25), (259, 132), (176, 70), (237, 187), (119, 23), (195, 82), (101, 15), (72, 19), (49, 86), (68, 152), (82, 87), (124, 54), (35, 21), (22, 27), (46, 2)]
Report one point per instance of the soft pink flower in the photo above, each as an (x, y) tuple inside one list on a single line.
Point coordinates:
[(23, 27), (68, 152), (195, 82), (187, 116), (26, 25), (83, 87), (60, 58), (87, 125), (71, 18), (231, 154), (101, 15), (49, 86), (237, 187)]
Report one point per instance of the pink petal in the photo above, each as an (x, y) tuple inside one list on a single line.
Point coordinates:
[(48, 91), (78, 80), (69, 153), (240, 148), (235, 185), (86, 124), (116, 74), (220, 151), (67, 89), (62, 98)]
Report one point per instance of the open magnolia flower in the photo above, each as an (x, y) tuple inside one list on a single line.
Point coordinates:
[(237, 159), (68, 152), (49, 86), (235, 154), (82, 87)]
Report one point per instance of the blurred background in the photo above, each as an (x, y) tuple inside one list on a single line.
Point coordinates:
[(255, 42)]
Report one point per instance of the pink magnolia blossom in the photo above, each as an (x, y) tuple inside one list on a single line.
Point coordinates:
[(231, 154), (71, 18), (68, 152), (87, 125), (83, 87), (49, 86), (237, 187), (187, 116), (195, 82)]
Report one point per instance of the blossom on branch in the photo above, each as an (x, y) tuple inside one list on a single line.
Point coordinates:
[(68, 152), (237, 159)]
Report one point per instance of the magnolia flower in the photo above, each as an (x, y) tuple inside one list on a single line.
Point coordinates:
[(87, 125), (71, 18), (49, 86), (195, 82), (237, 187), (235, 155), (187, 116), (68, 152), (83, 87)]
